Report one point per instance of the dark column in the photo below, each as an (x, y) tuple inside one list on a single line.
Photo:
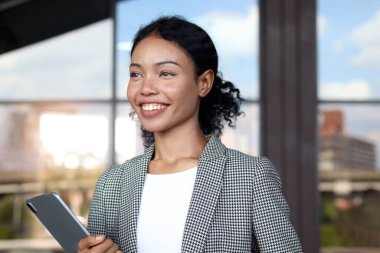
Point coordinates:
[(288, 104)]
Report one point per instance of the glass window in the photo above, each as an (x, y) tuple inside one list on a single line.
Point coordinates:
[(349, 124), (47, 143), (75, 65), (56, 106), (349, 49), (49, 147), (35, 137), (349, 168), (349, 135)]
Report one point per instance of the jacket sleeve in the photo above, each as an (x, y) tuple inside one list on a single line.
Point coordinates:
[(272, 228), (96, 216)]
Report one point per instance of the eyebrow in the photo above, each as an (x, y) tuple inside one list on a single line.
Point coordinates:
[(158, 64), (168, 62), (134, 65)]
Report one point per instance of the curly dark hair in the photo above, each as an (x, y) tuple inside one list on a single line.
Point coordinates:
[(222, 103)]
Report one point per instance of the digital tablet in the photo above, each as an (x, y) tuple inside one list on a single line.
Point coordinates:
[(59, 220)]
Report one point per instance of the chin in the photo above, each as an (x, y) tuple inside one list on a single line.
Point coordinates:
[(151, 128), (155, 125)]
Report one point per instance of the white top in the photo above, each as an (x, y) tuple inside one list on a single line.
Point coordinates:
[(164, 205)]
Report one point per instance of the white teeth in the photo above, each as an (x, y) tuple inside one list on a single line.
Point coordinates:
[(152, 107)]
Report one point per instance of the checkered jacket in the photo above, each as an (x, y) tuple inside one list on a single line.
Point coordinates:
[(236, 206)]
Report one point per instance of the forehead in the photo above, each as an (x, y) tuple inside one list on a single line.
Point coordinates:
[(154, 48)]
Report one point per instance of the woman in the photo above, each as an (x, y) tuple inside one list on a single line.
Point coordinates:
[(188, 192)]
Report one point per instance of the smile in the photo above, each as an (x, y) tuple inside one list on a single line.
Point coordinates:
[(152, 107)]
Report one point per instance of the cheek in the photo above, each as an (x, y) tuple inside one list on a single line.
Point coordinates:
[(131, 92), (183, 89), (186, 100)]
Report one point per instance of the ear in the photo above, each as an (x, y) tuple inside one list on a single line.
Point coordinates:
[(205, 82)]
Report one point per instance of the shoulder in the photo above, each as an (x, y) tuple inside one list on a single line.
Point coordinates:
[(242, 159), (258, 166), (237, 155), (113, 174)]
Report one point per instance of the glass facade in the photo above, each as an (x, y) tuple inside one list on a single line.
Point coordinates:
[(349, 124), (55, 113), (61, 125)]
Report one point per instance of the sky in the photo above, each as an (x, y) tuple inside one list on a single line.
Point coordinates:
[(349, 49)]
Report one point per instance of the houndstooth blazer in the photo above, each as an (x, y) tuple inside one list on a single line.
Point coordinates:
[(236, 206)]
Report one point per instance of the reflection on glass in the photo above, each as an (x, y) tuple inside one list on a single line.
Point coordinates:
[(52, 136), (341, 150), (349, 135), (49, 147), (348, 49), (233, 26), (81, 149), (349, 166), (19, 141), (75, 65), (358, 124)]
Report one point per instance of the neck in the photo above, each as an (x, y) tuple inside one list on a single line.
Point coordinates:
[(173, 146)]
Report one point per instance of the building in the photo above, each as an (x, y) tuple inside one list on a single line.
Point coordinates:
[(340, 151)]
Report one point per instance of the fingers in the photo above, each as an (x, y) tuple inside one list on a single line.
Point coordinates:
[(113, 248), (107, 246), (90, 241), (98, 244)]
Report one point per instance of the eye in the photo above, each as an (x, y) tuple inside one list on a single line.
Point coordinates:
[(166, 74), (134, 74)]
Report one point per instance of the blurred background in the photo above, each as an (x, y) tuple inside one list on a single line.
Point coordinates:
[(308, 70)]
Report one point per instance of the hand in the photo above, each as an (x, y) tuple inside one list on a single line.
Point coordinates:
[(97, 244)]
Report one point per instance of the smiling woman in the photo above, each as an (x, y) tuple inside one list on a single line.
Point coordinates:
[(58, 104), (210, 198)]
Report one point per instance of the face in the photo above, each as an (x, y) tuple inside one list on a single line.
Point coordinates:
[(163, 88)]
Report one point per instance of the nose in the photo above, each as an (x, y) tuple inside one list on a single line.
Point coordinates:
[(149, 86)]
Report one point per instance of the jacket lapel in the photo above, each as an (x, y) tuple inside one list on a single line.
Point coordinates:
[(132, 183), (208, 184)]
